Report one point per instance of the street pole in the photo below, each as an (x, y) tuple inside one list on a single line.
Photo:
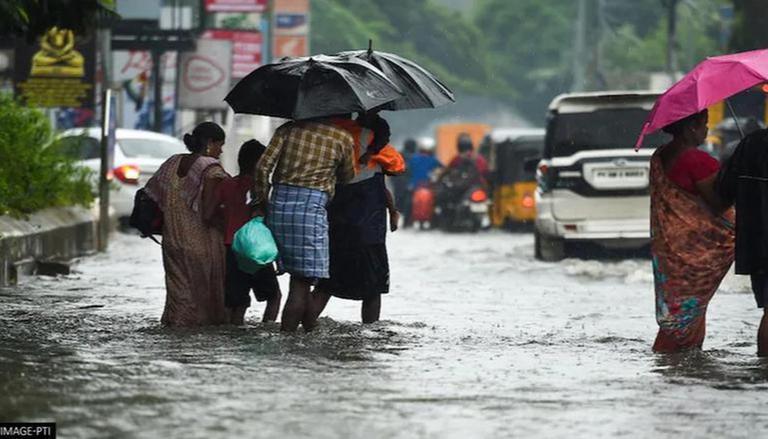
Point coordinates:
[(672, 39), (579, 57), (105, 49), (106, 98), (157, 123), (270, 35)]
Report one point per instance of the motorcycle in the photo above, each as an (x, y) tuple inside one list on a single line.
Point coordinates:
[(461, 200)]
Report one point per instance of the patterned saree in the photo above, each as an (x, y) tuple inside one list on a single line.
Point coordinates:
[(692, 250)]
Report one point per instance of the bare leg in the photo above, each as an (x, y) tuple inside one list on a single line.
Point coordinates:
[(318, 301), (371, 309), (762, 335), (273, 307), (296, 305)]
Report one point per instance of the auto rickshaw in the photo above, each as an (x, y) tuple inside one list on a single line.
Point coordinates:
[(513, 184)]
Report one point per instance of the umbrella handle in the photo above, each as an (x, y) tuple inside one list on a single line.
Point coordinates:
[(735, 119)]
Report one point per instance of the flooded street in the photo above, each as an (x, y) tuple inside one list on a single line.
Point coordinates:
[(479, 340)]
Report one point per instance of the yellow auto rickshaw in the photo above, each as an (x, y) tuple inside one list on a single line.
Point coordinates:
[(513, 184)]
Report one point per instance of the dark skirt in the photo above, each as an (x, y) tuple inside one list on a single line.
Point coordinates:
[(357, 216), (358, 273)]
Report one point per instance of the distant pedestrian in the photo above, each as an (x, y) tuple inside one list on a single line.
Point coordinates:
[(423, 164), (185, 188), (744, 180), (235, 211), (691, 235), (306, 160), (400, 183)]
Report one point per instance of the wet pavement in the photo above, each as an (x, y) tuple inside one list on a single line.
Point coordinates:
[(479, 340)]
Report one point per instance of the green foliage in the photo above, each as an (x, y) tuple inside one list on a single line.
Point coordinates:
[(442, 41), (531, 45), (35, 174), (750, 30), (522, 51)]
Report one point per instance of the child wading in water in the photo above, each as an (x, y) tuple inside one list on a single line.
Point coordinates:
[(233, 196)]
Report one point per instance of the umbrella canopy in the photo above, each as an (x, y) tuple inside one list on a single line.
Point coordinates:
[(318, 86), (422, 89), (710, 82)]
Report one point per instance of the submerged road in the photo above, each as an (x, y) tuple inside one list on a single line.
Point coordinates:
[(479, 340)]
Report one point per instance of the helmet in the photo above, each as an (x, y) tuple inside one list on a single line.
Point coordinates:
[(426, 144), (464, 143)]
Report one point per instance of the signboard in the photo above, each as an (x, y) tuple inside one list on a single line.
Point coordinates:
[(205, 75), (246, 49), (56, 71), (235, 5), (250, 21), (288, 45), (295, 6), (291, 28), (291, 24)]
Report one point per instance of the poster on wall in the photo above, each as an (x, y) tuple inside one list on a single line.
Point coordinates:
[(132, 70), (246, 49), (205, 75), (56, 71)]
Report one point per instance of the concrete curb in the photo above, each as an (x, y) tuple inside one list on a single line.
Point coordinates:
[(44, 239)]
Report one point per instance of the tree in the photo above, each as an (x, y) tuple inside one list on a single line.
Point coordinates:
[(531, 44), (32, 18), (750, 27), (443, 41)]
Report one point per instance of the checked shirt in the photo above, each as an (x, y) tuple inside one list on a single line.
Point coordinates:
[(308, 154)]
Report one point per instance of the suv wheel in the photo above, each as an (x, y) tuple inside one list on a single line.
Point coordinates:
[(547, 248)]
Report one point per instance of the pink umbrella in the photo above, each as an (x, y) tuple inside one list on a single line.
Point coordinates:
[(713, 80)]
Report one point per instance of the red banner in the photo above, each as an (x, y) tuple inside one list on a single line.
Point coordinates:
[(246, 49), (235, 5)]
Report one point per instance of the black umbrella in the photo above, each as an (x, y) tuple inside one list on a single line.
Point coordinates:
[(421, 88), (305, 88)]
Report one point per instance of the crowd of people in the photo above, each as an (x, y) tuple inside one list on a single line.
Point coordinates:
[(320, 184)]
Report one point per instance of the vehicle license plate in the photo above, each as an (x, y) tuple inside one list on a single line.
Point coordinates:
[(623, 177), (478, 208)]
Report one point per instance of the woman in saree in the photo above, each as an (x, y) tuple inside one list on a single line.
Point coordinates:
[(692, 237), (193, 246)]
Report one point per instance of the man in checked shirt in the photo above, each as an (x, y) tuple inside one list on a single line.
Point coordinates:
[(306, 160)]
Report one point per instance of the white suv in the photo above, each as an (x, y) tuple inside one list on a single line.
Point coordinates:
[(592, 185)]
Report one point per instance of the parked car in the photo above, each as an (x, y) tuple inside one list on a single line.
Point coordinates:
[(138, 154), (591, 184)]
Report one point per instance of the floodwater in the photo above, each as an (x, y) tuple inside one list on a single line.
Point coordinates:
[(479, 340)]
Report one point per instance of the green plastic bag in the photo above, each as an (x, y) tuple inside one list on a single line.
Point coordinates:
[(254, 246)]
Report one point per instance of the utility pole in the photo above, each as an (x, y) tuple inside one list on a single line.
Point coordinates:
[(157, 123), (672, 66), (579, 49)]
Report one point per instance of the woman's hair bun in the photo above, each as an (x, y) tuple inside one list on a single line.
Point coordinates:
[(191, 142)]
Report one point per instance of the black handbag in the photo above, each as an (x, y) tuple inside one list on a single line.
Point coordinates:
[(146, 216)]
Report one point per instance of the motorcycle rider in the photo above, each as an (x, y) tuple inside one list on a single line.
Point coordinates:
[(467, 155), (465, 171)]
